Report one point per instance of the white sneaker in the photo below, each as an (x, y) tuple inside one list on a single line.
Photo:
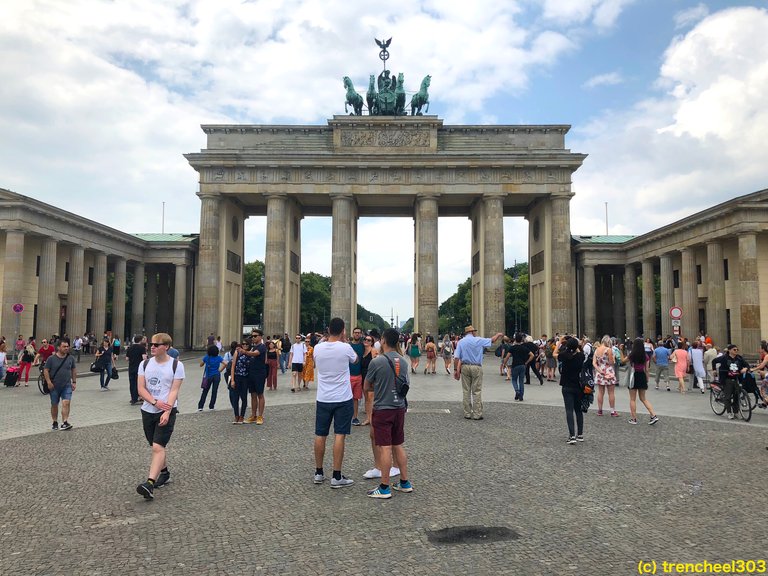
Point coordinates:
[(374, 473)]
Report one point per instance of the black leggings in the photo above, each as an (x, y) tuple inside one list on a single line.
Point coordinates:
[(572, 400)]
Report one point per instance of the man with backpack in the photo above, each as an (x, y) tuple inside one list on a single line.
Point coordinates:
[(61, 377), (387, 377), (160, 379)]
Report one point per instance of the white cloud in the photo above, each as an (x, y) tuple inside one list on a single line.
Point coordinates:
[(699, 144), (602, 13), (607, 79), (690, 16)]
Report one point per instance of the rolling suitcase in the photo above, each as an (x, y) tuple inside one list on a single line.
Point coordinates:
[(12, 376)]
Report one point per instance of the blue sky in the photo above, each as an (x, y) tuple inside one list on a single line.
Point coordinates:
[(101, 99)]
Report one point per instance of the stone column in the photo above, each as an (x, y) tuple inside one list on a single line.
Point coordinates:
[(47, 293), (150, 321), (99, 297), (716, 327), (630, 297), (341, 261), (426, 265), (590, 312), (749, 290), (275, 274), (493, 269), (649, 300), (560, 256), (118, 299), (180, 306), (164, 317), (208, 269), (137, 300), (690, 320), (667, 292), (619, 306), (75, 308), (13, 286)]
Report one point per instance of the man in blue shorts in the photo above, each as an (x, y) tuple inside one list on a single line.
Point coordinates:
[(61, 377), (334, 400)]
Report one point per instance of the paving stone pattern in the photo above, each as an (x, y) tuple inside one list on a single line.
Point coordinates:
[(242, 499)]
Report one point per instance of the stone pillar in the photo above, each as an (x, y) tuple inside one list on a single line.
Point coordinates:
[(137, 300), (118, 299), (493, 269), (690, 320), (275, 273), (164, 318), (13, 286), (75, 308), (342, 258), (180, 307), (47, 292), (667, 292), (560, 256), (630, 297), (208, 297), (590, 312), (619, 306), (426, 265), (749, 291), (150, 321), (716, 327), (99, 297), (649, 300)]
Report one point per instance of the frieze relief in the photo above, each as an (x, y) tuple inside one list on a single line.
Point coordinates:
[(385, 138), (383, 176)]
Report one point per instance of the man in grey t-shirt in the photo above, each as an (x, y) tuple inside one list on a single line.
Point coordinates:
[(61, 377), (388, 421)]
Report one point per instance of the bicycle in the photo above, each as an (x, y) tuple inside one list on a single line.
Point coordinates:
[(716, 401), (42, 385)]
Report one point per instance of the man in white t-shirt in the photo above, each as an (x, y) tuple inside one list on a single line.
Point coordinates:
[(334, 400), (159, 381)]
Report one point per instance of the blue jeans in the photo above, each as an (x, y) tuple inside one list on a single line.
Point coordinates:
[(107, 369), (518, 379), (283, 361), (213, 386)]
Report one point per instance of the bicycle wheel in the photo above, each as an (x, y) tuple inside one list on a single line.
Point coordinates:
[(716, 402), (745, 406), (41, 385)]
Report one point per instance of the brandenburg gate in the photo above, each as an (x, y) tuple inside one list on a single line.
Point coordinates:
[(412, 166)]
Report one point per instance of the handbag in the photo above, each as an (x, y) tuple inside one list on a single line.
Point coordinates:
[(114, 375)]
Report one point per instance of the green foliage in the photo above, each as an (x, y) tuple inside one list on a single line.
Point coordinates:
[(253, 292), (315, 302)]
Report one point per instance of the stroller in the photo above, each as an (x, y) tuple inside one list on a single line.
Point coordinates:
[(12, 376)]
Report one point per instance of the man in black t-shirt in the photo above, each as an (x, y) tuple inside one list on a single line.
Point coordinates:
[(134, 355)]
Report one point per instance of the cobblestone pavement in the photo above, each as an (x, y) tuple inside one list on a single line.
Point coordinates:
[(242, 500)]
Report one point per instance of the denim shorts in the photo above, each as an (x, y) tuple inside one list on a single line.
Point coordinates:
[(341, 414), (60, 394)]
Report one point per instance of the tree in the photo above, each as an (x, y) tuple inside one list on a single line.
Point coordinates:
[(253, 292)]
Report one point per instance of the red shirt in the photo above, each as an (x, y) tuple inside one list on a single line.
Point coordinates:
[(46, 352)]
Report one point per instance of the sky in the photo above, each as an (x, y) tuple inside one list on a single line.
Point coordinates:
[(99, 100)]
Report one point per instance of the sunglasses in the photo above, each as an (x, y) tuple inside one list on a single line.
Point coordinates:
[(156, 344)]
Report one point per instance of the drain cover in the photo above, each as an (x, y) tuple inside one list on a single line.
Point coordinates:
[(471, 534)]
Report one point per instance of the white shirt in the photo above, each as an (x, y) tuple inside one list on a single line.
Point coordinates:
[(298, 351), (158, 379), (332, 360)]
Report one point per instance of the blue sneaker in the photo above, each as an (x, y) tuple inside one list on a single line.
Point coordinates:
[(383, 493), (403, 486)]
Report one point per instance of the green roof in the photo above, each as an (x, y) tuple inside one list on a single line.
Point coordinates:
[(166, 237), (602, 239)]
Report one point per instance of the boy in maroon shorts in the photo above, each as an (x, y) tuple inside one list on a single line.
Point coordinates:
[(388, 419)]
